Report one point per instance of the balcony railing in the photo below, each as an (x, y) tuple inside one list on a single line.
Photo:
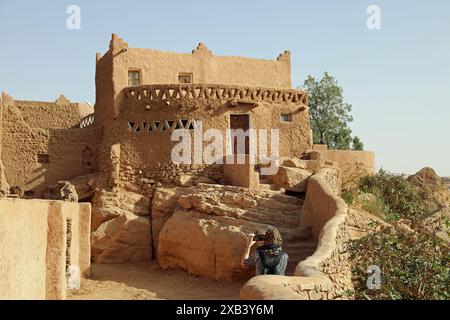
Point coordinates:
[(215, 92), (87, 121)]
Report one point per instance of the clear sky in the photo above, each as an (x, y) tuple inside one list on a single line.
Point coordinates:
[(397, 78)]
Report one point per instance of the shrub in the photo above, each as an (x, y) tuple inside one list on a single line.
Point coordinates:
[(348, 197), (399, 197), (413, 265)]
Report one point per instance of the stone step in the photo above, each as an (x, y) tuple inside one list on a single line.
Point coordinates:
[(264, 180), (300, 245), (295, 257), (269, 187)]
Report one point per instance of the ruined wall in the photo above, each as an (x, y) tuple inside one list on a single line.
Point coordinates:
[(327, 273), (353, 164), (33, 247), (41, 147)]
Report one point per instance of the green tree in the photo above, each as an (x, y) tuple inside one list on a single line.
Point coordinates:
[(329, 113), (357, 144)]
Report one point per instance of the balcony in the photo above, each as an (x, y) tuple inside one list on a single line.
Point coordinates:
[(224, 93)]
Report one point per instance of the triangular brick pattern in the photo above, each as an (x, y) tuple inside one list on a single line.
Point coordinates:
[(215, 92), (87, 121), (166, 125)]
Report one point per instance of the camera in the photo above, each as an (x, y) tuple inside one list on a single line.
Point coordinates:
[(259, 237)]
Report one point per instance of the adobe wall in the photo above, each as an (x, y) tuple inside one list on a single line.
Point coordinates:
[(327, 273), (160, 67), (33, 243), (39, 128), (4, 187), (353, 164), (241, 175), (146, 152)]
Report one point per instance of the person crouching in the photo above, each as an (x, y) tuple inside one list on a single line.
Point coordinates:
[(269, 257)]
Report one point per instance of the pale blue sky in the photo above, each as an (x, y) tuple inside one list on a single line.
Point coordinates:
[(396, 78)]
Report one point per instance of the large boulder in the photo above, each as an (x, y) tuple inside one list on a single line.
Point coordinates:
[(164, 203), (120, 227), (206, 245), (361, 223), (109, 205), (122, 239), (252, 205), (207, 232), (292, 179), (432, 189)]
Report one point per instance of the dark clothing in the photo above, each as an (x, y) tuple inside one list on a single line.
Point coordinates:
[(268, 259)]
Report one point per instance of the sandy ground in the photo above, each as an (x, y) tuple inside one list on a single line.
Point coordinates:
[(147, 281)]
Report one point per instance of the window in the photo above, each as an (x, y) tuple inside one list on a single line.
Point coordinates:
[(134, 78), (185, 78), (286, 117), (43, 158)]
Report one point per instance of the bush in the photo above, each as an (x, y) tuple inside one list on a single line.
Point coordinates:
[(414, 265), (399, 198), (348, 197)]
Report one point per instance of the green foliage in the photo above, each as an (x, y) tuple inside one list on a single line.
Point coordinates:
[(329, 113), (348, 197), (377, 207), (357, 144), (398, 198), (414, 265)]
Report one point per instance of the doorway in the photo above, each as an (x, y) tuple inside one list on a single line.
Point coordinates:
[(240, 121)]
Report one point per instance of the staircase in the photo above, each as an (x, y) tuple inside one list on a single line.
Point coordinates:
[(298, 250), (297, 241), (265, 183)]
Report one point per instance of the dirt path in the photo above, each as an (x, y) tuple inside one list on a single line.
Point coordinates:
[(147, 281)]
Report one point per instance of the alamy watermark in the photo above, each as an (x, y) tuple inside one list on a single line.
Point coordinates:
[(230, 146), (73, 278), (73, 22), (374, 20), (374, 279)]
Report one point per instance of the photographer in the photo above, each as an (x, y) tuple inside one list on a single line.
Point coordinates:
[(269, 257)]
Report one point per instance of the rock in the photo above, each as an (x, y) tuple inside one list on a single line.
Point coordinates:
[(103, 214), (292, 179), (109, 205), (313, 155), (209, 246), (212, 201), (432, 189), (120, 226), (361, 223), (164, 203), (122, 239), (437, 223), (204, 179), (252, 205), (64, 191), (85, 185), (294, 163), (313, 166), (184, 180)]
